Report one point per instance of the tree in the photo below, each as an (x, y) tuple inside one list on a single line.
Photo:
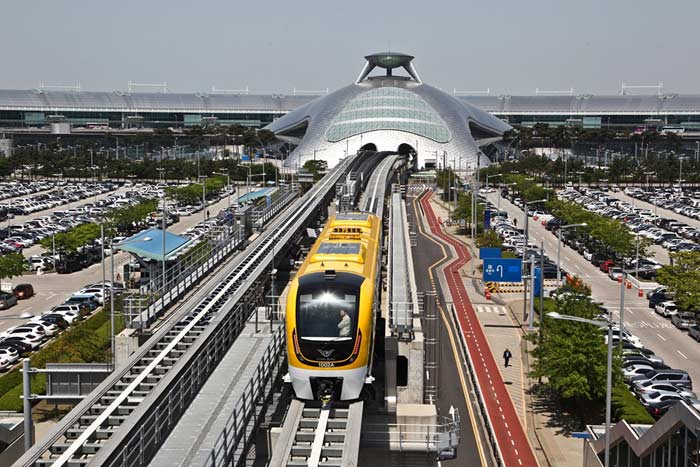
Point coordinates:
[(73, 239), (571, 357), (489, 239), (132, 218), (316, 167), (683, 279), (12, 265)]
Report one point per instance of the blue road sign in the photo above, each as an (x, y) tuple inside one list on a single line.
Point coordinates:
[(581, 435), (538, 282), (486, 252), (503, 270)]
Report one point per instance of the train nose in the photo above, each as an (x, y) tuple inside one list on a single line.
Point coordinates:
[(327, 388)]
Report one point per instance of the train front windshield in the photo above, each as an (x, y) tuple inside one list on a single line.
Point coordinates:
[(327, 310)]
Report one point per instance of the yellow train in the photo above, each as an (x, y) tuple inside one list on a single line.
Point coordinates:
[(331, 310)]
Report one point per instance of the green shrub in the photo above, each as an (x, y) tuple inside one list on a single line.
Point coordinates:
[(88, 341), (626, 407)]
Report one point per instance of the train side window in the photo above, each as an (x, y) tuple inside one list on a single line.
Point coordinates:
[(401, 370)]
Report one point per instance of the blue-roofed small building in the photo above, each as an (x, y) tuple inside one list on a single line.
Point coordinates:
[(146, 247)]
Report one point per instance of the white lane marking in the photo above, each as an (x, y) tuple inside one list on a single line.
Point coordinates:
[(681, 354), (629, 311), (661, 337), (51, 295)]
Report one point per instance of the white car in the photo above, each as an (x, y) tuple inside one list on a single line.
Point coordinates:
[(96, 293), (635, 370), (48, 328), (8, 353), (68, 315), (666, 309)]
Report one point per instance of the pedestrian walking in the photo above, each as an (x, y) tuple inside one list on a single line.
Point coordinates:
[(515, 222), (507, 356)]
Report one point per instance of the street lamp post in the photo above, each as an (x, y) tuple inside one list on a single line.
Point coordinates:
[(561, 227), (525, 247), (228, 182), (608, 390), (204, 196)]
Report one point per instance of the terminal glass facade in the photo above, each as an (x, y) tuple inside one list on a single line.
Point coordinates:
[(388, 108)]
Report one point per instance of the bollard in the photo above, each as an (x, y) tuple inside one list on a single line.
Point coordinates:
[(619, 280), (640, 293), (629, 284), (487, 294)]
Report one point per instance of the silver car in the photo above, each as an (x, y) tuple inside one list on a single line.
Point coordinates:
[(651, 387), (683, 320)]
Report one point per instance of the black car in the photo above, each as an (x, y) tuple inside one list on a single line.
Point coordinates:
[(659, 409), (56, 319), (552, 223), (656, 298), (16, 343)]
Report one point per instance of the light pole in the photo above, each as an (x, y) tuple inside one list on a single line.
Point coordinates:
[(204, 196), (608, 390), (228, 183), (525, 247), (562, 227), (161, 170)]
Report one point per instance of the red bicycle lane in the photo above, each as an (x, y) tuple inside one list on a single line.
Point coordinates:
[(512, 441)]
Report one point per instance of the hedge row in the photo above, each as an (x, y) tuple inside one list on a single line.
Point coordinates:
[(85, 342), (626, 407)]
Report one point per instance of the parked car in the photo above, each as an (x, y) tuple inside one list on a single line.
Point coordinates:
[(88, 301), (683, 320), (666, 309), (694, 331), (651, 386), (635, 370), (23, 291), (7, 300), (16, 343), (675, 377), (54, 319)]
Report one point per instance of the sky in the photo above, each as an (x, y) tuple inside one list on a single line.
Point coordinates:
[(507, 46)]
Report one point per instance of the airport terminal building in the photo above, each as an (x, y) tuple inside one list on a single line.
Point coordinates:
[(391, 111)]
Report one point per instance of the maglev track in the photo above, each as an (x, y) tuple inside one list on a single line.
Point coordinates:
[(108, 427), (372, 199)]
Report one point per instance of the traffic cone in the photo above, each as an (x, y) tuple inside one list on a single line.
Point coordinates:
[(640, 293), (619, 280), (488, 294), (629, 284)]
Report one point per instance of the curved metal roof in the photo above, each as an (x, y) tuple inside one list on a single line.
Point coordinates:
[(36, 100), (29, 100), (587, 104)]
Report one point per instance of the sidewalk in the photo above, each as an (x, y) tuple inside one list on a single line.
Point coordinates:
[(547, 429)]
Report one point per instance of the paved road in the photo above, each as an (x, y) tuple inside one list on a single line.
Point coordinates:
[(676, 348), (53, 289), (511, 438), (425, 255)]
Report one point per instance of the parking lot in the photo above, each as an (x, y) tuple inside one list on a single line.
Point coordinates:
[(677, 349), (51, 289)]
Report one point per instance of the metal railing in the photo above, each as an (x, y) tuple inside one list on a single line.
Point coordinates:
[(280, 199), (441, 437), (189, 268), (237, 436)]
